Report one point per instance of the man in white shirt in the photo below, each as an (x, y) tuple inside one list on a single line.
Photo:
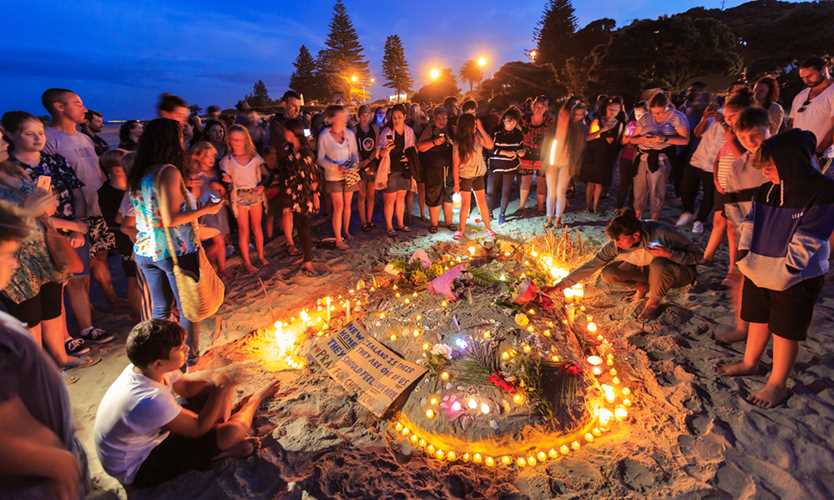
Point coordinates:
[(144, 437), (813, 108)]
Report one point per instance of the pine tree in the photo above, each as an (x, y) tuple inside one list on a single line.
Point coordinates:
[(395, 67), (554, 33), (472, 73), (259, 90), (303, 79), (343, 55)]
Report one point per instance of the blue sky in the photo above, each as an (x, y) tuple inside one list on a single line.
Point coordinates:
[(119, 55)]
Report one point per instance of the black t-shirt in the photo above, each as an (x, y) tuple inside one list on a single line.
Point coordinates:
[(437, 158), (399, 162), (365, 142), (109, 200)]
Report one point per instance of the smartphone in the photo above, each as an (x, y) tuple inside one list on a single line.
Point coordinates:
[(654, 244), (44, 183), (389, 137), (214, 198), (307, 132)]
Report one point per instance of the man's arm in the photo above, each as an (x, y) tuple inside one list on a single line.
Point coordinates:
[(605, 255), (683, 250), (827, 138)]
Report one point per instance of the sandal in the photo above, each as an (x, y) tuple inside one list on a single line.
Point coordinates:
[(367, 228), (392, 233), (404, 229), (82, 362), (451, 227), (458, 235), (76, 346), (433, 229)]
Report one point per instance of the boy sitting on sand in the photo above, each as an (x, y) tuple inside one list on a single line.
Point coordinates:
[(785, 245), (647, 256), (144, 437)]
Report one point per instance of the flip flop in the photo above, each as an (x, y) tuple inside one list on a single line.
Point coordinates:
[(433, 229), (82, 362)]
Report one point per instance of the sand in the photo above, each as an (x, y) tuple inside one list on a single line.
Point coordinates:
[(690, 433)]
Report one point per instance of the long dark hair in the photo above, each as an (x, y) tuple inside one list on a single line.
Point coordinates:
[(160, 144), (772, 90), (124, 131), (466, 136)]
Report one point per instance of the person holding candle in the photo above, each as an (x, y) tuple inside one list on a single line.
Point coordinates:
[(647, 256), (785, 250)]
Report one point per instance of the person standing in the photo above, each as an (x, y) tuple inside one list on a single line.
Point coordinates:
[(711, 135), (242, 169), (813, 107), (129, 134), (537, 127), (40, 456), (92, 127), (397, 150), (469, 170), (626, 169), (564, 159), (366, 135), (160, 155), (784, 242), (62, 138), (435, 149), (504, 160), (174, 108), (657, 132), (601, 152), (766, 95), (338, 156)]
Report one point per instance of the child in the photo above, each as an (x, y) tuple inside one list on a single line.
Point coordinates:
[(504, 160), (209, 189), (110, 197), (785, 242), (469, 169), (242, 169), (144, 437)]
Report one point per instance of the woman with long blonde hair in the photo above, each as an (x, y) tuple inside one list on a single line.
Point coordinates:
[(242, 168)]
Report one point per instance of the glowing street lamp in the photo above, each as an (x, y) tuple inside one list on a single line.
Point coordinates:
[(434, 73), (482, 61), (354, 78), (533, 54)]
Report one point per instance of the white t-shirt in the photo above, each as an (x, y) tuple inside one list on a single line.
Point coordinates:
[(129, 421), (332, 153), (243, 176), (817, 116), (707, 150), (80, 153)]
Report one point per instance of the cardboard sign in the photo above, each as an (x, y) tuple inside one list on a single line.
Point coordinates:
[(365, 367)]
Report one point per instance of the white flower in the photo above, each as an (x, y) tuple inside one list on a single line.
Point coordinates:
[(442, 350)]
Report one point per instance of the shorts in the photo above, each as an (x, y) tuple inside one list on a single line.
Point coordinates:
[(44, 306), (787, 313), (718, 203), (398, 182), (100, 236), (248, 197), (277, 204), (340, 187), (128, 266), (174, 456), (473, 184)]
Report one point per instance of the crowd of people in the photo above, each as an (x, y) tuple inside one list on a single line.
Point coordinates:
[(71, 205)]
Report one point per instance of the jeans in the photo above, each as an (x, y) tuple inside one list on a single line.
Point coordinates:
[(661, 275), (500, 186), (558, 180), (162, 287), (692, 178)]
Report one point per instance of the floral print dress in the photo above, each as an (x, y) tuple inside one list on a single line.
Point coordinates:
[(300, 174), (63, 180), (36, 266)]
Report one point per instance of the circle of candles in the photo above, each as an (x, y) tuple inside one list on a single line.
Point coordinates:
[(506, 460), (466, 457), (589, 437), (564, 450), (472, 404), (429, 413), (521, 462), (531, 460), (456, 406), (451, 456), (552, 453), (484, 408), (541, 456), (575, 445), (518, 398), (444, 376), (477, 458), (490, 462), (594, 360)]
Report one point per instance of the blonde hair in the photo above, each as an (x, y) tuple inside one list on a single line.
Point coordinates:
[(112, 158), (198, 150), (248, 145)]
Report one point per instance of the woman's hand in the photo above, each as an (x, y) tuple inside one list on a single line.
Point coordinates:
[(260, 189), (316, 202), (76, 240), (213, 208)]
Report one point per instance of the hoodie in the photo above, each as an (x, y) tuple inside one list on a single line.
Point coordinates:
[(784, 238), (684, 252)]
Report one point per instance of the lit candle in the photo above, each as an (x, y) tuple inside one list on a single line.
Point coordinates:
[(327, 302), (347, 310)]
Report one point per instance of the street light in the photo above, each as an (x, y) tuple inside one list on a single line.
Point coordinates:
[(533, 54), (354, 78), (482, 61), (434, 73)]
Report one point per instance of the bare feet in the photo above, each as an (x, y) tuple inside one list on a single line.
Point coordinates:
[(266, 392), (729, 335), (639, 292), (264, 261), (250, 268), (769, 396), (348, 236), (341, 245), (243, 449), (737, 369)]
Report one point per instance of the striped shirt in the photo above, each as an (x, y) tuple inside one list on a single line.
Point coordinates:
[(504, 155)]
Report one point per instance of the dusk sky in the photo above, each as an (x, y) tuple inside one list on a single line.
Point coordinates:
[(119, 55)]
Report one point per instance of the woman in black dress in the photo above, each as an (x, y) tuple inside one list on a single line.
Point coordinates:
[(602, 150)]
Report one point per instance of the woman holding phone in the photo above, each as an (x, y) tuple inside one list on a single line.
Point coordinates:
[(397, 149)]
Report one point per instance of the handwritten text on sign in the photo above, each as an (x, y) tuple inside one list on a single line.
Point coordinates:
[(365, 367)]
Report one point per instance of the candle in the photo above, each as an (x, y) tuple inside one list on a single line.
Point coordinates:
[(328, 301), (347, 310)]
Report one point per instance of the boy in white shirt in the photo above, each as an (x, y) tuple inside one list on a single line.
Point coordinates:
[(144, 437)]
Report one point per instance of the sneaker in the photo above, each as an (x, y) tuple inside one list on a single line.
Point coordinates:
[(698, 227), (96, 336), (685, 219), (75, 346), (502, 219)]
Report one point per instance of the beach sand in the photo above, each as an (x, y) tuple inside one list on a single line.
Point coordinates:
[(690, 433)]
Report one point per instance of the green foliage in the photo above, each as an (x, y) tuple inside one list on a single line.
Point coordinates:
[(342, 56), (470, 72), (668, 52), (303, 79), (554, 32), (439, 89), (395, 66)]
